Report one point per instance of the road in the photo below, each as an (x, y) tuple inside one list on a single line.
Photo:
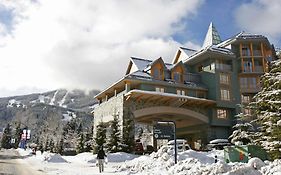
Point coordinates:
[(11, 163)]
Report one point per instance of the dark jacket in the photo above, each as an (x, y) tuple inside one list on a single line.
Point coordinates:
[(101, 154)]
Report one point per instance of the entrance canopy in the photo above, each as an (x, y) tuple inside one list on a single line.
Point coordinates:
[(169, 107)]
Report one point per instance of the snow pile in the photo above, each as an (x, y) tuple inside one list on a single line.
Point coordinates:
[(53, 158), (163, 162), (272, 168)]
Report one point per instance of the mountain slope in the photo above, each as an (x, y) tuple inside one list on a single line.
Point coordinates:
[(47, 113)]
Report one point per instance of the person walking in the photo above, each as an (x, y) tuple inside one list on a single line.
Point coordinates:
[(100, 157)]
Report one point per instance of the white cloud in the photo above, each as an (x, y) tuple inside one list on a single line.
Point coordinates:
[(86, 44), (260, 16)]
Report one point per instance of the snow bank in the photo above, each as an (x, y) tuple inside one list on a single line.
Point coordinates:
[(272, 168), (53, 158), (120, 157)]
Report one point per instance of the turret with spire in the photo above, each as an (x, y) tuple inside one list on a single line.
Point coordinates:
[(212, 37)]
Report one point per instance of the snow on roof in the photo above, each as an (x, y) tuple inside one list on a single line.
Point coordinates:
[(140, 62), (140, 73), (212, 48), (188, 51), (240, 35)]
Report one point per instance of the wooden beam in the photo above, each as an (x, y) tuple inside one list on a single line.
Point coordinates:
[(263, 57), (252, 56), (241, 56)]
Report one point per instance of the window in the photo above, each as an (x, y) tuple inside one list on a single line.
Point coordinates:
[(248, 66), (177, 76), (245, 98), (246, 50), (224, 79), (221, 113), (225, 94), (159, 89), (180, 92)]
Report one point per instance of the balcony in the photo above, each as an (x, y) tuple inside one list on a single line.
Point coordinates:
[(190, 77), (259, 69), (257, 53), (250, 88)]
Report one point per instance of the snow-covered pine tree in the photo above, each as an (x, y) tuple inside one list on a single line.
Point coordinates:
[(46, 145), (268, 110), (52, 146), (88, 140), (80, 144), (128, 136), (242, 130), (17, 135), (60, 146), (6, 137), (100, 138), (114, 137)]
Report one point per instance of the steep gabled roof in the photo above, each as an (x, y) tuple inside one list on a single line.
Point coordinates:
[(182, 54), (212, 37), (138, 64)]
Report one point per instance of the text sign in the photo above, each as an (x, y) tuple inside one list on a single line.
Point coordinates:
[(163, 131)]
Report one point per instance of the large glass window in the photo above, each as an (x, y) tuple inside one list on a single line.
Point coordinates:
[(221, 113), (224, 79), (225, 94)]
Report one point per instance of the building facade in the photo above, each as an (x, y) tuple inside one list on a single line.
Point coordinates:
[(200, 90)]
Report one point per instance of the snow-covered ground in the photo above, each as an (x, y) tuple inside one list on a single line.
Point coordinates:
[(159, 163)]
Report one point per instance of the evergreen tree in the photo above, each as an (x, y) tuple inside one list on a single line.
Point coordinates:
[(242, 131), (46, 145), (52, 146), (6, 138), (17, 135), (88, 141), (114, 139), (79, 129), (80, 144), (100, 138), (268, 110), (128, 136), (59, 148)]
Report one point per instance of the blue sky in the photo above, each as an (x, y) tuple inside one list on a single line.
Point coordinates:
[(50, 44)]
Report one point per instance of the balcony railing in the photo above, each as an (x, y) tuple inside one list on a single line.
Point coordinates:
[(224, 67), (259, 69), (250, 88), (190, 77), (257, 53)]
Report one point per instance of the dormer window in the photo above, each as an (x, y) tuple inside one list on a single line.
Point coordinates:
[(158, 73), (177, 76)]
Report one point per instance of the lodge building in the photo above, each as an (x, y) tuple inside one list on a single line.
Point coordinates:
[(200, 90)]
